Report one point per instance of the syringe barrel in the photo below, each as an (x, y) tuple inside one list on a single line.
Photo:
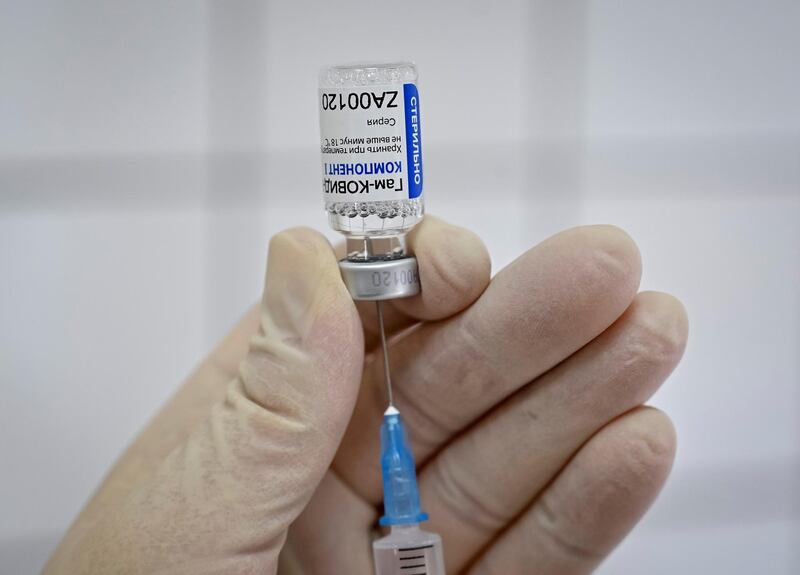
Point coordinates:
[(408, 550), (371, 145)]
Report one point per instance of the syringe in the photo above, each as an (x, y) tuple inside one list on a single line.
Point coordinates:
[(407, 550)]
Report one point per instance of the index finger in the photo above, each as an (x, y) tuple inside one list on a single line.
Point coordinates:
[(538, 311), (454, 269)]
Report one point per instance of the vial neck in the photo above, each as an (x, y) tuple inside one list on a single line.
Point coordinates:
[(366, 249)]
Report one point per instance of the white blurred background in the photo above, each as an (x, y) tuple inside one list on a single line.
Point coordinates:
[(149, 149)]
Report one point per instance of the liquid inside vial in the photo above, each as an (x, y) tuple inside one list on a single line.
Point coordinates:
[(371, 145), (408, 550)]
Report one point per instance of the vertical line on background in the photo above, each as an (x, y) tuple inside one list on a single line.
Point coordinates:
[(556, 86), (236, 166)]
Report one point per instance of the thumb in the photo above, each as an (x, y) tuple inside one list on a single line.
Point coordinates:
[(221, 502), (298, 385)]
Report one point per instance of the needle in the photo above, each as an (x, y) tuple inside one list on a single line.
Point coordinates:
[(387, 374)]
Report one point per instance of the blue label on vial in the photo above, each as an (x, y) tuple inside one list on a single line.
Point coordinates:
[(413, 140)]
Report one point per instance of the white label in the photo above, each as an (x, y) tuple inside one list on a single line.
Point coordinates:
[(371, 143)]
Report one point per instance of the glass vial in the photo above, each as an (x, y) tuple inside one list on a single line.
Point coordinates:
[(371, 145)]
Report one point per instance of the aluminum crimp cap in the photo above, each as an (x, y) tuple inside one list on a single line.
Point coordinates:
[(381, 279)]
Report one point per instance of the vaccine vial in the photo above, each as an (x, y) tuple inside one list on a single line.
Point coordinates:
[(371, 145)]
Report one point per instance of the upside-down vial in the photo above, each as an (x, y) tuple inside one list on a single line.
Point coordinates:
[(371, 144)]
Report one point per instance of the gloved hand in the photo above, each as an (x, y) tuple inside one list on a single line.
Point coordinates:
[(523, 398)]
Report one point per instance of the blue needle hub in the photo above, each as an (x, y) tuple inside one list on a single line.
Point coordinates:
[(400, 494)]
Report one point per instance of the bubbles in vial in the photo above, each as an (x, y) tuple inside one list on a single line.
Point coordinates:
[(378, 218)]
